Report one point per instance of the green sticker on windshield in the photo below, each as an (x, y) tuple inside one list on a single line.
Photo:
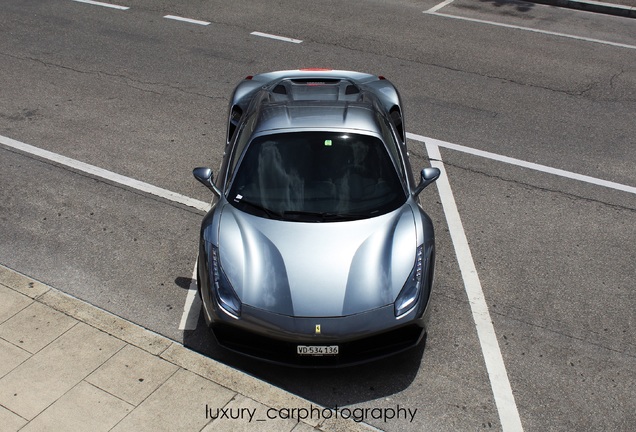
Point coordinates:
[(328, 143)]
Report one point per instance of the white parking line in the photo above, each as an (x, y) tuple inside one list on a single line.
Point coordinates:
[(439, 6), (280, 38), (188, 20), (105, 174), (522, 163), (192, 306), (108, 5), (502, 391), (529, 29)]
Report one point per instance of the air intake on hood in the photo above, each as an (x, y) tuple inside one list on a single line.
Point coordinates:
[(316, 89)]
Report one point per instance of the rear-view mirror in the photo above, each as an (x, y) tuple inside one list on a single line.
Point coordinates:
[(204, 175), (427, 176)]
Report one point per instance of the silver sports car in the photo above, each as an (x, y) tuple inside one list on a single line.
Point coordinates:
[(316, 251)]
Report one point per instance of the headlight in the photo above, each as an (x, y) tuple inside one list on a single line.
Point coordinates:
[(407, 298), (228, 300)]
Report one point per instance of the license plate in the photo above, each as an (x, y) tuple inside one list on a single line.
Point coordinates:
[(317, 350)]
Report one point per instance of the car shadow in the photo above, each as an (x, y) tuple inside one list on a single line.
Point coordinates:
[(328, 387)]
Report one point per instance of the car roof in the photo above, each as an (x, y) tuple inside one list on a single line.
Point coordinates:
[(316, 103), (317, 115)]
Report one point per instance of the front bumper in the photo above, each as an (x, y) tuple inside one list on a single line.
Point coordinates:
[(360, 338)]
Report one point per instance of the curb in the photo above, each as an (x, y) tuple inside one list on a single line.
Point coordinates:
[(592, 6), (171, 351)]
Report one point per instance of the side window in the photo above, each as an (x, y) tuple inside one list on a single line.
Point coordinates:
[(392, 144), (233, 121), (244, 134), (396, 118)]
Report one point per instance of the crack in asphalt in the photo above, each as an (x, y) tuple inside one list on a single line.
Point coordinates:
[(414, 152), (372, 42), (511, 81), (130, 82), (582, 92), (583, 339), (611, 85), (569, 195), (585, 92), (614, 77), (105, 181), (551, 328)]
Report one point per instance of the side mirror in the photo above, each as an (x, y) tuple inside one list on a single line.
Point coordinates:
[(428, 176), (204, 175)]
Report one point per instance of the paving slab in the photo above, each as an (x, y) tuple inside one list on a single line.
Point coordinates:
[(303, 427), (12, 303), (11, 357), (46, 376), (10, 422), (179, 404), (246, 414), (35, 326), (85, 408), (234, 379), (132, 374)]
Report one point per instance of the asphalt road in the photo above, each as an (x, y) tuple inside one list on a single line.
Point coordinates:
[(145, 97)]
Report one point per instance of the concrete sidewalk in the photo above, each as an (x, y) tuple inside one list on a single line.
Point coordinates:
[(66, 365), (624, 8)]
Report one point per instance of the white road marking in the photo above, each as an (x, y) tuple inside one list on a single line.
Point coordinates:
[(502, 391), (439, 6), (525, 164), (281, 38), (108, 5), (192, 305), (105, 174), (565, 35), (188, 20)]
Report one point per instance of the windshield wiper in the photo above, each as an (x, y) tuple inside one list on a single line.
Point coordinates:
[(270, 213), (323, 216)]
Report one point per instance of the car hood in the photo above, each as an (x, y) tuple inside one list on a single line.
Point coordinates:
[(317, 269)]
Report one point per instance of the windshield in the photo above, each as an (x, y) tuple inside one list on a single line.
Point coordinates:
[(316, 177)]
